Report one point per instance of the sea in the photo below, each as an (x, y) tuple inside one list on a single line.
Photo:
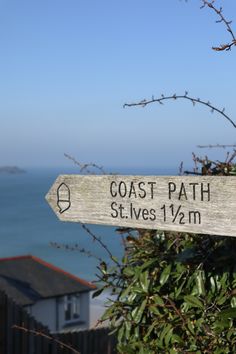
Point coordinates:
[(28, 226)]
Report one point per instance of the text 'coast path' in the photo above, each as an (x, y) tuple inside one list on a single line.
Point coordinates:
[(203, 204)]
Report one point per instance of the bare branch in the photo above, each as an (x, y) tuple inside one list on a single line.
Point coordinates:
[(41, 334), (181, 166), (74, 247), (221, 146), (102, 244), (86, 166), (194, 101), (222, 19), (232, 157)]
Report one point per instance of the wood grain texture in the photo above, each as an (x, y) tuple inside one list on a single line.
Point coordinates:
[(205, 205)]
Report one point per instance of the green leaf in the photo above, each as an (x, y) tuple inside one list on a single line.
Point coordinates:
[(148, 264), (128, 271), (108, 313), (131, 297), (138, 312), (137, 289), (150, 329), (128, 327), (103, 267), (125, 292), (179, 289), (200, 279), (173, 351), (168, 337), (144, 281), (164, 333), (136, 332), (193, 301), (165, 275), (233, 170), (176, 339), (158, 300), (121, 333), (190, 326), (220, 325), (229, 313), (154, 310), (233, 302), (224, 280), (213, 284), (230, 333), (97, 293), (222, 299)]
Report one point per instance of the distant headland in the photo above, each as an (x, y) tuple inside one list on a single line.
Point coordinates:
[(14, 170)]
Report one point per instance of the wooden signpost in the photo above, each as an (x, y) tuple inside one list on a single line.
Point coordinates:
[(205, 205)]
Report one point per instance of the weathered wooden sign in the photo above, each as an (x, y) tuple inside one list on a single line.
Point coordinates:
[(204, 205)]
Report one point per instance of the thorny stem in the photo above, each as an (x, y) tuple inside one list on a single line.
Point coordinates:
[(74, 247), (85, 167), (194, 101), (219, 11), (37, 333), (222, 146), (178, 312), (102, 244)]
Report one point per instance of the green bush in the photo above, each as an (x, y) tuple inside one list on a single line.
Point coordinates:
[(176, 293)]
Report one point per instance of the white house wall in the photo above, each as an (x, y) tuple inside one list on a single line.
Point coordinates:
[(51, 313), (44, 311)]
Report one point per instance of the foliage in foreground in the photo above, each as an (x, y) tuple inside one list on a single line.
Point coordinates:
[(174, 292)]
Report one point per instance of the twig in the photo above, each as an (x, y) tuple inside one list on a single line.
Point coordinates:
[(210, 146), (102, 244), (41, 334), (195, 163), (86, 166), (74, 247), (219, 11), (181, 168), (194, 101), (232, 157), (178, 312)]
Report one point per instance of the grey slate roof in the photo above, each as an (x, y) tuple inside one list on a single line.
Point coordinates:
[(28, 279)]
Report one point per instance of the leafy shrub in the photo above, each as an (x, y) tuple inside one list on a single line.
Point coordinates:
[(174, 292)]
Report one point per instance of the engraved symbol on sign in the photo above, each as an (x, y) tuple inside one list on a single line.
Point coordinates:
[(63, 198)]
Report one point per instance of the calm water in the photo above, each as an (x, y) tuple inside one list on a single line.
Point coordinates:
[(28, 225)]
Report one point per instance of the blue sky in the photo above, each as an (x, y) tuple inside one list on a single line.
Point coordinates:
[(68, 66)]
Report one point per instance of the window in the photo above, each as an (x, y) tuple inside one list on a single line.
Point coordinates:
[(71, 307)]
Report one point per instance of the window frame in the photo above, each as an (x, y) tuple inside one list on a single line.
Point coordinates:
[(73, 306)]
